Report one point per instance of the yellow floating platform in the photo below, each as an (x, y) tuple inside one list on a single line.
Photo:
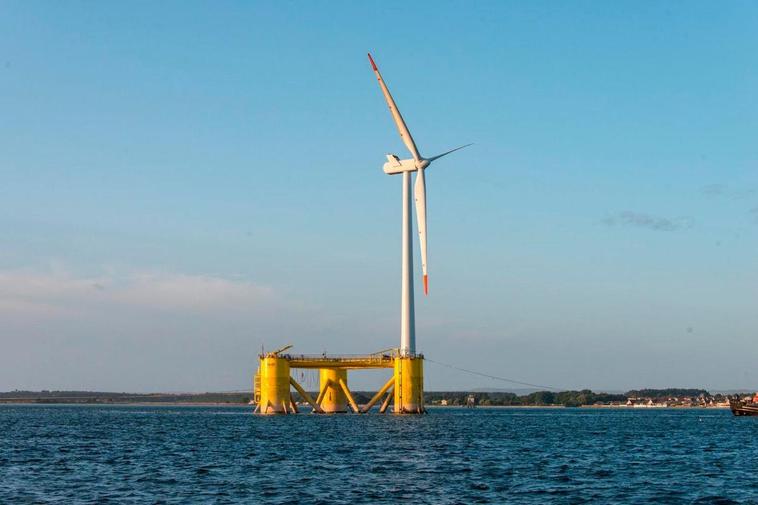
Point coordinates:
[(273, 383)]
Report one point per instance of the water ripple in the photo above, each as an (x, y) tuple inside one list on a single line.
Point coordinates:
[(74, 454)]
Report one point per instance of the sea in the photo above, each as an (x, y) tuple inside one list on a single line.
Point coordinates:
[(176, 454)]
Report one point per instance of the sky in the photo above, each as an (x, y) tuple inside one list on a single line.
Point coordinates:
[(185, 183)]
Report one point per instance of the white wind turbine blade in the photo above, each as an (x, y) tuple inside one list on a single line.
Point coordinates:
[(445, 154), (420, 196), (401, 126)]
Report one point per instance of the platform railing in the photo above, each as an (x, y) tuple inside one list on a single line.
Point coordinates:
[(385, 360)]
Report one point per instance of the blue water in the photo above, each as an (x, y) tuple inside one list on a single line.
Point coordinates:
[(76, 454)]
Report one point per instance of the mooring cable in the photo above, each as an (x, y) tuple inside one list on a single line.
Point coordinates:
[(504, 379)]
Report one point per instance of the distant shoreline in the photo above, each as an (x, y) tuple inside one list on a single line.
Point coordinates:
[(433, 407), (636, 399), (618, 407), (125, 404)]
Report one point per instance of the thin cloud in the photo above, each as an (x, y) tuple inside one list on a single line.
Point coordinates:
[(713, 190), (57, 294), (724, 191), (641, 220)]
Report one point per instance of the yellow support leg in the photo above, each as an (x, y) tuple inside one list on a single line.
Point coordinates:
[(378, 395), (386, 402), (349, 397), (321, 394), (306, 396), (293, 405)]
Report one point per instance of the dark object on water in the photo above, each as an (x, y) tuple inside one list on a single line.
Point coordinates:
[(746, 407)]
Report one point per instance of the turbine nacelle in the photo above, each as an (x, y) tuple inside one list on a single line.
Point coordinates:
[(395, 165)]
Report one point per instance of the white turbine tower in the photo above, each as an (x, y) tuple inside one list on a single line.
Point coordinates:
[(393, 166)]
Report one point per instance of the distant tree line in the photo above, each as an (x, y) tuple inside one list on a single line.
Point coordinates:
[(110, 397), (667, 393), (565, 398), (538, 398)]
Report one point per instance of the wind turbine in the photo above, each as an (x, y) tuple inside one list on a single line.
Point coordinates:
[(394, 166)]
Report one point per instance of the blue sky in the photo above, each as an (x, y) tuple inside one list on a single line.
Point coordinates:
[(181, 183)]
